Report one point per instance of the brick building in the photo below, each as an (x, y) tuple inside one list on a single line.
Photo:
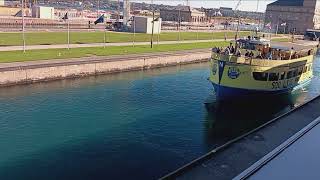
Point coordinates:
[(288, 15), (187, 14), (172, 14)]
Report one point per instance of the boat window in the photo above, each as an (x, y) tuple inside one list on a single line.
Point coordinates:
[(295, 73), (304, 69), (300, 70), (260, 76), (289, 74), (273, 76), (282, 75)]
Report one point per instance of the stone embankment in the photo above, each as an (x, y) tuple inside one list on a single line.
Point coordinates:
[(37, 71)]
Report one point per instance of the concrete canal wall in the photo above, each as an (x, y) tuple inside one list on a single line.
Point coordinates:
[(234, 157), (28, 72)]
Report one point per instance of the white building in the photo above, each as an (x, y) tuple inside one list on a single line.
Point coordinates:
[(43, 12), (143, 24), (1, 2)]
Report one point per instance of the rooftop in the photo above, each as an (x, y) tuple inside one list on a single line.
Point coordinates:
[(177, 8), (287, 3)]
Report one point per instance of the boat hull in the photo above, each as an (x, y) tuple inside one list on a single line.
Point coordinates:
[(233, 80), (231, 93)]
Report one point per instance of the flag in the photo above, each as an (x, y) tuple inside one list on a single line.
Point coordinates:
[(65, 17), (156, 19), (131, 18), (99, 20), (268, 25), (283, 24)]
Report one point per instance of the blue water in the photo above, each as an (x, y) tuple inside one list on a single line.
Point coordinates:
[(134, 125)]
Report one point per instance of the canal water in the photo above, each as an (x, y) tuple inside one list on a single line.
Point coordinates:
[(134, 125)]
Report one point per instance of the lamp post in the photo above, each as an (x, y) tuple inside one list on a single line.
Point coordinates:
[(68, 24), (152, 30), (23, 35), (151, 41), (159, 29), (134, 30), (179, 25)]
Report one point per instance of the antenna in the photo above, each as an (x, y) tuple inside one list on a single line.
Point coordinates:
[(187, 3)]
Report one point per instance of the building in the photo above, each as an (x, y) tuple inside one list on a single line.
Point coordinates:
[(226, 12), (185, 13), (43, 12), (9, 11), (173, 14), (144, 25), (1, 2), (72, 13), (198, 16), (298, 15)]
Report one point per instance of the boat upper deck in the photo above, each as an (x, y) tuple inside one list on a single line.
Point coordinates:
[(255, 52)]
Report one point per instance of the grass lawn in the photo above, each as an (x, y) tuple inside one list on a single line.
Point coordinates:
[(44, 38), (33, 55)]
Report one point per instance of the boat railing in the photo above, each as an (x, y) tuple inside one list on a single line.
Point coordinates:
[(232, 58), (249, 60)]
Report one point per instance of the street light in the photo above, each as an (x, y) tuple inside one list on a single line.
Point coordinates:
[(134, 29), (151, 42), (179, 24), (23, 35)]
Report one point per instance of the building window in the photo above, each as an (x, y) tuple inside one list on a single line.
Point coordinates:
[(300, 70), (282, 75), (295, 73)]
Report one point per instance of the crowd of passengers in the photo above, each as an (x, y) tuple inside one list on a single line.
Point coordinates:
[(264, 52)]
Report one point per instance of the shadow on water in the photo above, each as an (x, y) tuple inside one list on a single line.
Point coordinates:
[(228, 120)]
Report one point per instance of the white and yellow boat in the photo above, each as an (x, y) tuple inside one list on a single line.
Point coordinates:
[(241, 76)]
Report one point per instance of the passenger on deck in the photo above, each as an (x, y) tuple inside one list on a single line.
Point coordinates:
[(259, 55), (251, 54), (232, 50), (309, 52), (227, 51), (238, 53), (218, 50), (269, 55), (246, 54), (291, 53), (276, 54), (215, 49)]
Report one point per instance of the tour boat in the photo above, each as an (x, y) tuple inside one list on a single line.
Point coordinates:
[(235, 75)]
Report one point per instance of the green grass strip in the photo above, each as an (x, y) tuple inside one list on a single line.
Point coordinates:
[(49, 38), (46, 54)]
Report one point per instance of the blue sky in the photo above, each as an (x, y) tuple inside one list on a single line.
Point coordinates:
[(250, 5)]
